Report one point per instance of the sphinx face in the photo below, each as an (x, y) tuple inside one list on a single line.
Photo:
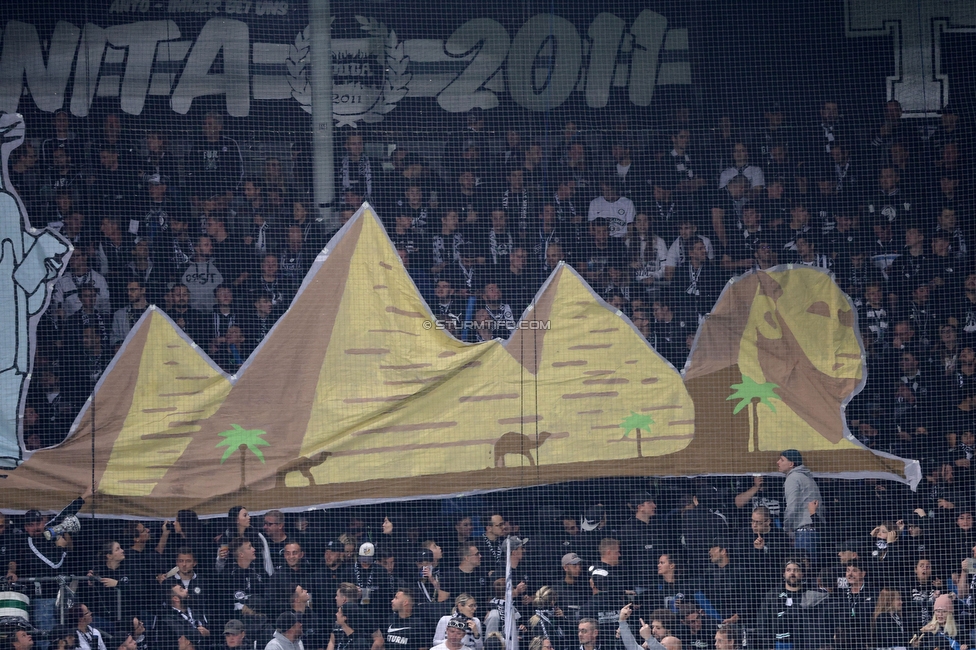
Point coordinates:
[(822, 320)]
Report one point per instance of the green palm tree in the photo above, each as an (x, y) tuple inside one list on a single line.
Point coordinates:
[(750, 392), (239, 438), (636, 422)]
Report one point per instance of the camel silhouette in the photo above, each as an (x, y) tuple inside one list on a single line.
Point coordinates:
[(303, 466), (514, 442)]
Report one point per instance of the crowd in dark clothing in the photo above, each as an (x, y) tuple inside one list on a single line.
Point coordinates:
[(694, 559)]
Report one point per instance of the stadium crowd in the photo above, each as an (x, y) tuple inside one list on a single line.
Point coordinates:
[(769, 562), (657, 224)]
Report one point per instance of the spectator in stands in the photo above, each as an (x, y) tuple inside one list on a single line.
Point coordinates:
[(455, 633), (741, 248), (549, 232), (464, 610), (889, 627), (516, 201), (808, 255), (85, 363), (683, 172), (244, 588), (499, 241), (295, 258), (627, 169), (212, 325), (696, 282), (111, 184), (651, 261), (599, 252), (181, 620), (942, 630), (301, 215), (87, 317), (214, 165), (601, 606), (469, 576), (726, 208), (89, 638), (355, 170), (202, 277), (142, 267), (890, 200), (112, 251), (26, 177), (123, 319), (467, 197), (686, 235), (176, 304), (65, 138), (575, 165), (669, 331), (352, 628), (288, 633), (616, 210), (782, 620), (158, 160), (293, 572), (801, 491), (742, 167), (499, 311), (66, 296)]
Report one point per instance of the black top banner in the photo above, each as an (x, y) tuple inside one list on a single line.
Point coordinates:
[(416, 58)]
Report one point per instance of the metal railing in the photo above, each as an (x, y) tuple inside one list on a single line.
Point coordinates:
[(67, 586)]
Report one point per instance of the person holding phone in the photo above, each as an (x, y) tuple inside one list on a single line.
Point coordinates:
[(966, 579)]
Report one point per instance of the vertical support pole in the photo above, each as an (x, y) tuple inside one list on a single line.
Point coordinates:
[(320, 20)]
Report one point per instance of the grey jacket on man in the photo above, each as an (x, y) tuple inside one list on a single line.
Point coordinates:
[(800, 489)]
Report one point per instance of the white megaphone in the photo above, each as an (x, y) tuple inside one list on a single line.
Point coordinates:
[(65, 521), (69, 524)]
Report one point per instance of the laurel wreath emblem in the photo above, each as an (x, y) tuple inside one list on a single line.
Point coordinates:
[(395, 81), (297, 63)]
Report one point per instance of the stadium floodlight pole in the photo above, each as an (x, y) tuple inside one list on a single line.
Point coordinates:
[(320, 21)]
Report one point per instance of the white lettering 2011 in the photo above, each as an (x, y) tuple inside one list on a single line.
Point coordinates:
[(541, 66)]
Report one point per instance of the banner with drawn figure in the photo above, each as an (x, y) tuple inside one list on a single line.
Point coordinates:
[(775, 364), (31, 260), (356, 395)]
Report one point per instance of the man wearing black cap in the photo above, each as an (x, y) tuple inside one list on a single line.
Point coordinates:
[(42, 558), (288, 633), (234, 633), (604, 606), (594, 528), (328, 577), (429, 583), (801, 491), (643, 537), (724, 582), (572, 592)]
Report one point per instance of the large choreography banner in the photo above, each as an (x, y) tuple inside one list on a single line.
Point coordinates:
[(356, 396)]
